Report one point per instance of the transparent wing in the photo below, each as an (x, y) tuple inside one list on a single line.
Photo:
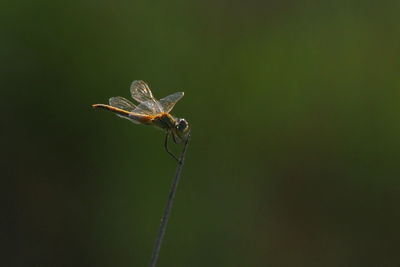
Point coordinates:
[(122, 103), (169, 102), (126, 105), (151, 107), (141, 92)]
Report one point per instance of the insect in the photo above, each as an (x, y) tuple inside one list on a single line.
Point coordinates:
[(150, 111)]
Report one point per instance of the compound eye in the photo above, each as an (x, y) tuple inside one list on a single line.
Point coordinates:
[(182, 125)]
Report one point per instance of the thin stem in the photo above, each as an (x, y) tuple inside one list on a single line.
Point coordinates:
[(168, 207)]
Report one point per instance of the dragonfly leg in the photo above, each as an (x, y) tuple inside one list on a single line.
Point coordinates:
[(174, 139), (166, 147)]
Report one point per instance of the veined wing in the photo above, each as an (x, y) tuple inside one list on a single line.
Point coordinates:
[(122, 103), (169, 102), (141, 92), (149, 108)]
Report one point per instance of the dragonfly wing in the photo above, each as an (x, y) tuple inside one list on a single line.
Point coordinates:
[(130, 119), (150, 107), (169, 102), (122, 103), (141, 92)]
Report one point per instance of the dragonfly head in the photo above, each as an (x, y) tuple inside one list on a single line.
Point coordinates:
[(181, 130)]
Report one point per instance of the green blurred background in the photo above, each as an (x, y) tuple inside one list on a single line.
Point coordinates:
[(294, 157)]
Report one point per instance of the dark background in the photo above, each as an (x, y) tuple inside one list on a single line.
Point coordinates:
[(294, 109)]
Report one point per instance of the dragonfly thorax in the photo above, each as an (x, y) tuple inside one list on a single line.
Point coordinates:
[(164, 121), (179, 128)]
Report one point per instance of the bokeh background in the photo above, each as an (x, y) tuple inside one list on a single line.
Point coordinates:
[(294, 157)]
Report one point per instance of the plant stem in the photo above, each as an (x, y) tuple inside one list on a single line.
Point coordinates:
[(168, 207)]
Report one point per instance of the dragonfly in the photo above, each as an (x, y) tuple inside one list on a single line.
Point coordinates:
[(150, 111)]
